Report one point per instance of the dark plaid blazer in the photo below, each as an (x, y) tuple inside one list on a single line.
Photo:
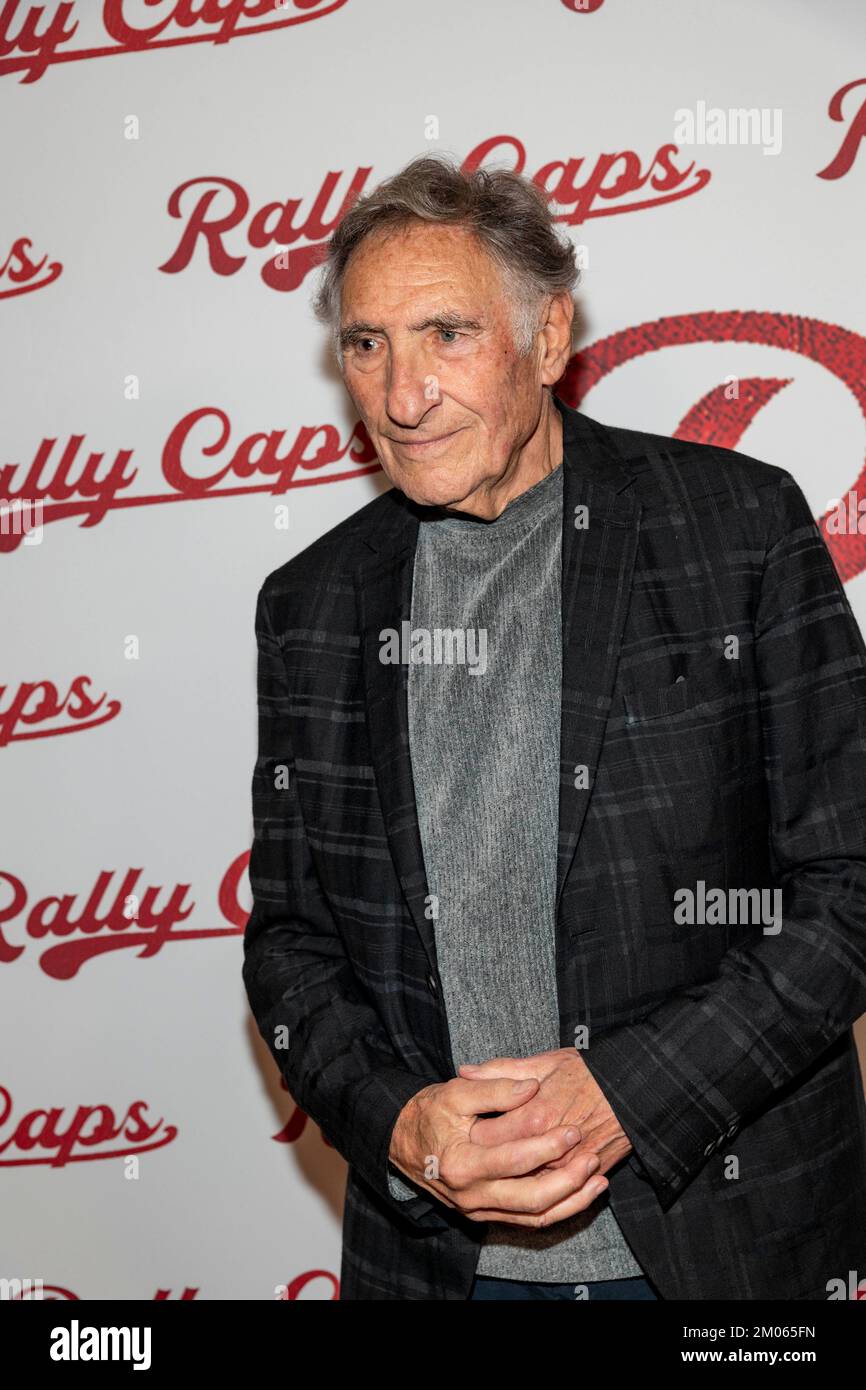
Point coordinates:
[(709, 1041)]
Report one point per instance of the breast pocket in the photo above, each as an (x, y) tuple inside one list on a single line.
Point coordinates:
[(674, 751), (710, 680)]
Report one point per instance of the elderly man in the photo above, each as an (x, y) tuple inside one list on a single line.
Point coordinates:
[(521, 719)]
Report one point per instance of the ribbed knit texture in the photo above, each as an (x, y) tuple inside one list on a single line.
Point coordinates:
[(485, 760)]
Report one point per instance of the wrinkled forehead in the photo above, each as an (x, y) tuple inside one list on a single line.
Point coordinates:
[(421, 265)]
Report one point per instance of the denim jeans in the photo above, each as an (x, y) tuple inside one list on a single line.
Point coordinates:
[(491, 1290)]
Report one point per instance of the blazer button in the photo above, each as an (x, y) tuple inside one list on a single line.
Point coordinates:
[(431, 985), (710, 1148), (729, 1133)]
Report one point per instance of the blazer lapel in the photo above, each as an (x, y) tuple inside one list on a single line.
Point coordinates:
[(385, 598), (597, 566), (600, 527)]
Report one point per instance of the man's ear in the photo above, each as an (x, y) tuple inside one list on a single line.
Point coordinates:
[(556, 325)]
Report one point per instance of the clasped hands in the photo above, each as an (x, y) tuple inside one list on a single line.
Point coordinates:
[(525, 1141)]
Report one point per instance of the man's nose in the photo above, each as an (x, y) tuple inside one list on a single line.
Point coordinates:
[(411, 388)]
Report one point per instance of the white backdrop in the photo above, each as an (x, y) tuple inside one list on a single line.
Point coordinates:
[(147, 1144)]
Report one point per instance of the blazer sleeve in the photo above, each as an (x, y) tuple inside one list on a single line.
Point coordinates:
[(324, 1035), (683, 1078)]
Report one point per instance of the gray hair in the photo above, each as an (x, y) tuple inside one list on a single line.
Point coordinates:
[(510, 216)]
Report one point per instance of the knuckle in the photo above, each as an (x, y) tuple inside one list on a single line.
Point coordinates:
[(538, 1202), (537, 1124), (463, 1198), (451, 1173)]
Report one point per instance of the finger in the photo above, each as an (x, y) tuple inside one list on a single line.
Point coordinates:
[(488, 1062), (579, 1201), (478, 1163), (491, 1072), (477, 1097), (592, 1186), (559, 1162), (589, 1147), (587, 1186), (498, 1066), (582, 1199), (518, 1123), (536, 1194)]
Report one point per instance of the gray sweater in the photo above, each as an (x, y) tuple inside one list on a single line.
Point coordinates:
[(484, 742)]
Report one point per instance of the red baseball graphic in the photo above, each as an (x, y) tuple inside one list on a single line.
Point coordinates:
[(719, 420)]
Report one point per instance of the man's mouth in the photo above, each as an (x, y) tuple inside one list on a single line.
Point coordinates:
[(421, 444)]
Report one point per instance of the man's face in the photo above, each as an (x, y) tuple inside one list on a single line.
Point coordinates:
[(430, 364)]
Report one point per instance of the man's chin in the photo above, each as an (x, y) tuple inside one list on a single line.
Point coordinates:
[(426, 492), (443, 502)]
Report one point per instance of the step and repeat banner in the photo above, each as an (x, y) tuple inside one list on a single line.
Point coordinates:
[(174, 429)]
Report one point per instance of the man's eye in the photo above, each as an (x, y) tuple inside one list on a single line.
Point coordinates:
[(452, 331), (359, 342)]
